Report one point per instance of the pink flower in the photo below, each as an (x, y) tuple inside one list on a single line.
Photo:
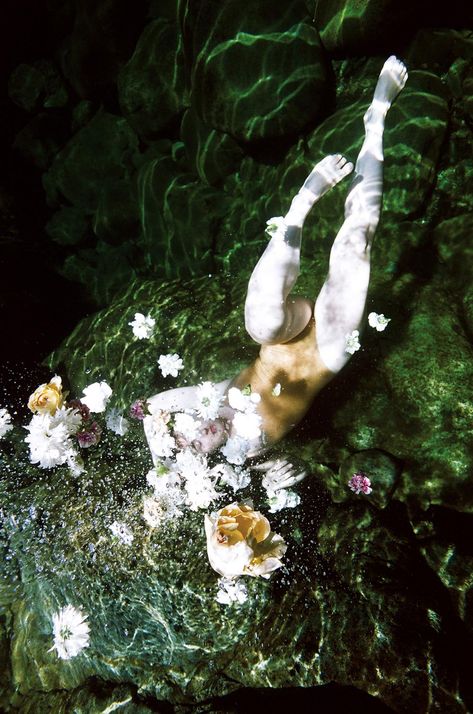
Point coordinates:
[(137, 409), (90, 436), (360, 483)]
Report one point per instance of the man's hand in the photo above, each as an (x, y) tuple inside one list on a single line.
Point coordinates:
[(280, 473)]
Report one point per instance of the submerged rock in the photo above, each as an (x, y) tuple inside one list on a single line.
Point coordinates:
[(152, 106)]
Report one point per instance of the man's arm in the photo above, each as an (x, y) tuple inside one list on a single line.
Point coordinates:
[(177, 400)]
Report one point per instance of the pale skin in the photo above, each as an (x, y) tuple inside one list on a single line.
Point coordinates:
[(274, 317)]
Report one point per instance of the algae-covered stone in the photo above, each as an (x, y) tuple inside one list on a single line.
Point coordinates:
[(180, 218), (103, 36), (68, 226), (258, 71), (42, 138), (366, 27), (101, 151), (390, 604), (213, 154), (151, 85), (237, 87), (34, 85)]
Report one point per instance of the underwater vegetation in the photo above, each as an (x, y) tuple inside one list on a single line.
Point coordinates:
[(153, 141)]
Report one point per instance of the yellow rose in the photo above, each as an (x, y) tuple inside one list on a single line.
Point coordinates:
[(47, 398), (240, 542)]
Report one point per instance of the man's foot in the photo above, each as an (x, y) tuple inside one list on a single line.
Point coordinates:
[(392, 79), (326, 174)]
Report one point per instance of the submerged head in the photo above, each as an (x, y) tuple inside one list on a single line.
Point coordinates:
[(210, 436)]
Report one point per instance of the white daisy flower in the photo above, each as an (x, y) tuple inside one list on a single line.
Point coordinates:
[(352, 342), (231, 591), (170, 364), (70, 418), (122, 532), (247, 425), (209, 400), (237, 478), (186, 425), (199, 483), (116, 422), (235, 450), (5, 423), (284, 498), (243, 402), (49, 442), (71, 632), (143, 327), (163, 482), (96, 396), (379, 322)]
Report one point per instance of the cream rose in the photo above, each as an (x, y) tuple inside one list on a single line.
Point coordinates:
[(240, 542), (47, 398)]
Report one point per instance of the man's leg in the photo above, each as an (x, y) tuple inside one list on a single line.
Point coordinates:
[(271, 316), (340, 305)]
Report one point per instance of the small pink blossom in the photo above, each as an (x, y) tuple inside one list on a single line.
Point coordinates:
[(359, 483), (137, 409), (90, 436)]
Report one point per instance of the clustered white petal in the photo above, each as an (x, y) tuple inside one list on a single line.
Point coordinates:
[(49, 438), (199, 482), (170, 364), (352, 342), (237, 478), (235, 450), (143, 327), (96, 396), (284, 498), (209, 400), (5, 423), (379, 322), (186, 425), (231, 591), (161, 443), (246, 421), (71, 632)]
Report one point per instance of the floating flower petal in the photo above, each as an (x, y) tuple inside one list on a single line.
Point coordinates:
[(97, 396), (71, 632), (379, 322), (352, 342), (170, 364), (360, 483), (143, 327), (5, 423)]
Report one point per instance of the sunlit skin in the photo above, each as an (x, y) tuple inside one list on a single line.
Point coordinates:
[(304, 341)]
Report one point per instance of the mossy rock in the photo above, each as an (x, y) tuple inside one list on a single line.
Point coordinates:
[(151, 85)]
